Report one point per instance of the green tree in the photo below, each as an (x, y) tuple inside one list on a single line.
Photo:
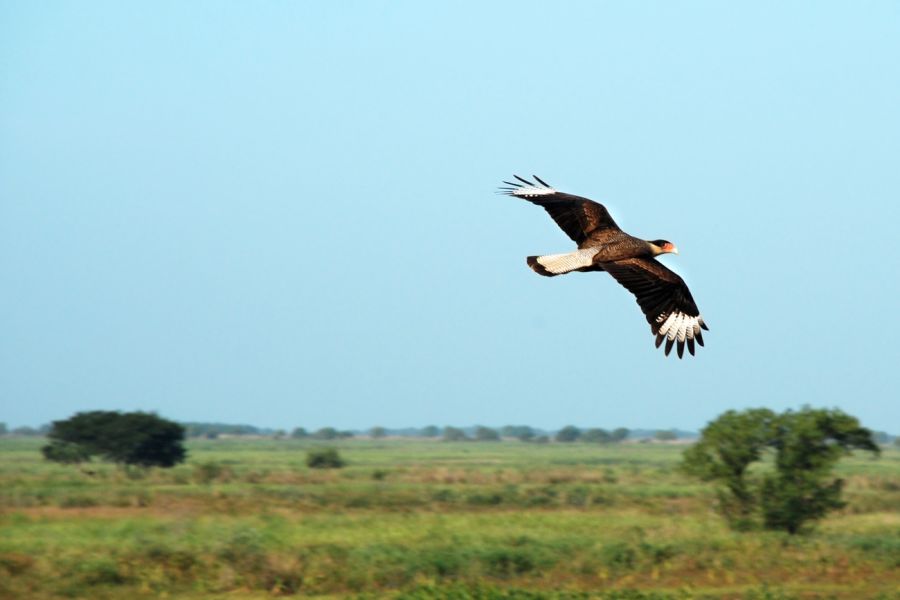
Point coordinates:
[(665, 435), (596, 436), (486, 434), (620, 434), (726, 449), (3, 429), (377, 432), (139, 439), (569, 433), (525, 434), (520, 432), (326, 433), (807, 444), (299, 433), (454, 434), (431, 431)]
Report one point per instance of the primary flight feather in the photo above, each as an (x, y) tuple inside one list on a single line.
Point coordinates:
[(662, 295)]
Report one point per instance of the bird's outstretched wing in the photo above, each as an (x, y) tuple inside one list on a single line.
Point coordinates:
[(665, 300), (577, 216)]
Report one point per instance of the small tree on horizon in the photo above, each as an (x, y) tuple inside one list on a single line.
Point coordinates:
[(620, 434), (525, 434), (522, 433), (665, 435), (596, 436), (326, 433), (486, 434), (454, 434), (569, 433), (25, 430), (431, 431), (377, 432)]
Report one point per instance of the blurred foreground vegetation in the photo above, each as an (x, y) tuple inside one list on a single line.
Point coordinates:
[(424, 519)]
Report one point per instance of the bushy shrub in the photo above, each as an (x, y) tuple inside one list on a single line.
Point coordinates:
[(324, 458)]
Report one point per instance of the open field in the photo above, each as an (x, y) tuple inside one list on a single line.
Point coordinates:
[(416, 519)]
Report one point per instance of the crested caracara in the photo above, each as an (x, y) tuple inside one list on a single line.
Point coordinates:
[(602, 246)]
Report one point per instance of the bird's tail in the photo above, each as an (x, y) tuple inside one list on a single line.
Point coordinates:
[(558, 264)]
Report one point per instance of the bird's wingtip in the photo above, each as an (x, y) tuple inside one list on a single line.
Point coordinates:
[(526, 188)]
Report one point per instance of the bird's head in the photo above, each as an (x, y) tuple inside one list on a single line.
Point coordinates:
[(662, 247)]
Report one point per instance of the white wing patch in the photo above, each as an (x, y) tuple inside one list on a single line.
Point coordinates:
[(682, 327), (532, 191), (563, 263), (527, 189)]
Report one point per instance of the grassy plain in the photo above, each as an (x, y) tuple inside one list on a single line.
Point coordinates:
[(415, 519)]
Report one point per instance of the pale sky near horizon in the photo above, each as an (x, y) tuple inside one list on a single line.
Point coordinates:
[(284, 214)]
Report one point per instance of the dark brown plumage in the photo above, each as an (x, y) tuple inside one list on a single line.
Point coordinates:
[(662, 295)]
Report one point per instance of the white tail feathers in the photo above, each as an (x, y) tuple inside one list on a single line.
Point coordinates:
[(557, 264)]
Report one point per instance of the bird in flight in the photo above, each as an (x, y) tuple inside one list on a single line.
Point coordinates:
[(662, 295)]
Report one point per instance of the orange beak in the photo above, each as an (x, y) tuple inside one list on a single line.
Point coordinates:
[(671, 248)]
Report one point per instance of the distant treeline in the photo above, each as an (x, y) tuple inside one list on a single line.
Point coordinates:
[(212, 430), (24, 430), (525, 433), (449, 433)]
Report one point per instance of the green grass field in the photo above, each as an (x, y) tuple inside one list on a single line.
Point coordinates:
[(415, 519)]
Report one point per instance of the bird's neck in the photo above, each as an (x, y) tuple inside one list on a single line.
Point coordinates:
[(654, 249)]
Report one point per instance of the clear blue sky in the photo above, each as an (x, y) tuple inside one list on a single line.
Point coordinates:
[(282, 213)]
